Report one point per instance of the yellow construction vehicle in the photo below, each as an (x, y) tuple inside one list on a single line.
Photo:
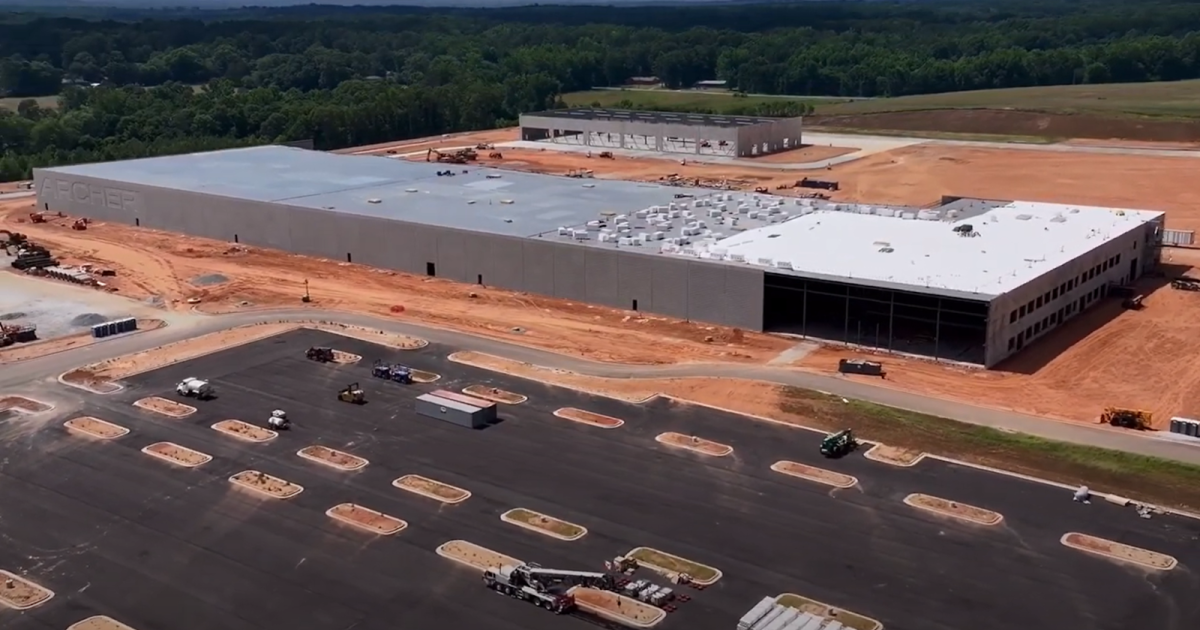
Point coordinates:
[(352, 394), (1127, 418)]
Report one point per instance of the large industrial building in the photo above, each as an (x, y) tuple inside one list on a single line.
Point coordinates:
[(663, 132), (971, 281)]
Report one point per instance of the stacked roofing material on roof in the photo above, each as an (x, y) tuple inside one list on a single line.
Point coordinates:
[(459, 409)]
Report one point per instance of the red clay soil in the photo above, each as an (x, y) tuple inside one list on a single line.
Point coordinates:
[(22, 403), (588, 417), (367, 518), (89, 380), (96, 427), (334, 458), (1017, 123), (262, 482), (691, 442), (165, 407)]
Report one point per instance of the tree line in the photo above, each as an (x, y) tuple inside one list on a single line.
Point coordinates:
[(342, 76)]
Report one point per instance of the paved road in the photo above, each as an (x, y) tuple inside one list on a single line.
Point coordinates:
[(20, 194), (53, 365), (144, 541)]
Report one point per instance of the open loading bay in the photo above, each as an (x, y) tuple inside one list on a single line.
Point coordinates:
[(115, 532)]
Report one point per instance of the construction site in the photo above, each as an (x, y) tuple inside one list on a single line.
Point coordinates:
[(1074, 372), (307, 467)]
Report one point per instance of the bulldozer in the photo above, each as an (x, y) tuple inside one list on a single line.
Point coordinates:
[(1127, 418), (352, 394), (839, 443)]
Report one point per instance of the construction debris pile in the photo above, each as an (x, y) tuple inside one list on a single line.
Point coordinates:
[(675, 179)]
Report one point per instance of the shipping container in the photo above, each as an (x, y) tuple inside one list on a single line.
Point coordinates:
[(455, 412)]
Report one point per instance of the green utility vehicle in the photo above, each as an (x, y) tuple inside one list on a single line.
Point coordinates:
[(838, 444)]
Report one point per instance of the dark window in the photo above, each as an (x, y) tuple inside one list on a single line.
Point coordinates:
[(635, 305), (1012, 343), (479, 279), (348, 257), (430, 269), (1012, 317)]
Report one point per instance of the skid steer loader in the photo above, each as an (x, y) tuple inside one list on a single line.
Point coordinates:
[(838, 444), (352, 394)]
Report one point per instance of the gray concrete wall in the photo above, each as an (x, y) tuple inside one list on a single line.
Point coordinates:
[(785, 133), (1062, 289), (632, 128), (677, 287)]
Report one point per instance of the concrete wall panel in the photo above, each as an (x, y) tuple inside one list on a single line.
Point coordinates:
[(538, 258), (506, 266), (603, 278), (743, 298), (570, 272), (318, 233), (480, 259), (451, 255), (706, 292), (636, 281), (670, 278)]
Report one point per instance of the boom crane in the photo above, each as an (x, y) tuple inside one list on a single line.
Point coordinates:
[(548, 588)]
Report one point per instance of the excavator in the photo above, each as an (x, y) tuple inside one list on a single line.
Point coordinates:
[(461, 156), (1127, 418), (839, 443)]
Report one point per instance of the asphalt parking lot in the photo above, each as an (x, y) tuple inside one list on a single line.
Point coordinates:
[(113, 531)]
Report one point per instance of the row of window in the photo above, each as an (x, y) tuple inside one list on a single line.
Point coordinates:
[(1056, 318), (1062, 289)]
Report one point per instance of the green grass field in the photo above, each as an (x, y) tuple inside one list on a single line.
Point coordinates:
[(1162, 481), (1179, 99)]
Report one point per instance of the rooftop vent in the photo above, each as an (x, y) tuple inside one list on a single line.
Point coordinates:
[(410, 190), (886, 250), (374, 201), (772, 236), (1058, 218), (507, 202), (1024, 217), (493, 176)]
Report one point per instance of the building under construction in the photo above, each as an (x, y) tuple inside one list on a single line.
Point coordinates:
[(969, 281), (664, 132)]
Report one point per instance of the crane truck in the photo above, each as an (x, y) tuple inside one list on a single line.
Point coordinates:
[(548, 588)]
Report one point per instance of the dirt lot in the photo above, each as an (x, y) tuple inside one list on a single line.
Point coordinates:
[(493, 136), (1017, 123), (806, 153)]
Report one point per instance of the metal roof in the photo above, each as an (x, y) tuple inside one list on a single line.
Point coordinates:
[(658, 118), (473, 198)]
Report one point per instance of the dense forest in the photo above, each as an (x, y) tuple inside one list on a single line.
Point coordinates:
[(171, 82)]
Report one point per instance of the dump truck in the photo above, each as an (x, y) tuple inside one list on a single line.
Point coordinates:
[(839, 443), (352, 393), (193, 387)]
